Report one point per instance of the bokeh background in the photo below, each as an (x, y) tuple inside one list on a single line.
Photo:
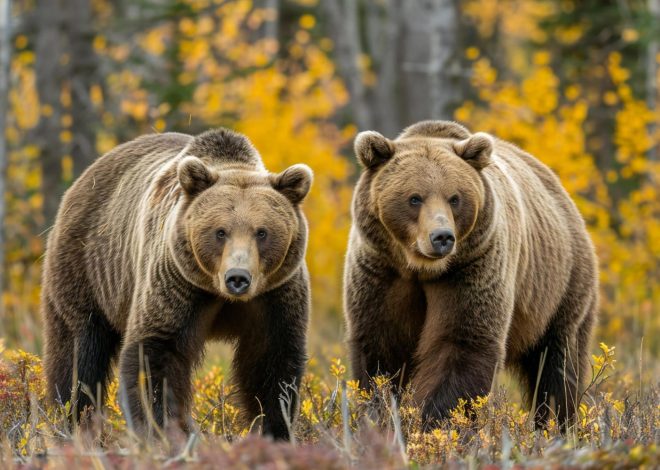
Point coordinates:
[(573, 82)]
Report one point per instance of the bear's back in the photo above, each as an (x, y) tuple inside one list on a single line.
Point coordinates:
[(92, 244), (555, 248)]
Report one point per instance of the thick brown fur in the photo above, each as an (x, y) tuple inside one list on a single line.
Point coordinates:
[(135, 268), (519, 285)]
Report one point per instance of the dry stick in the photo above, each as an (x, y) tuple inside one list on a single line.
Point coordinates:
[(143, 379), (532, 415), (223, 421), (398, 434), (34, 415), (150, 387), (346, 420), (150, 396), (641, 365), (259, 416), (74, 394), (578, 397), (165, 411), (98, 402), (402, 371), (123, 398), (186, 453), (285, 407), (287, 421), (140, 381), (565, 381), (576, 369), (491, 408)]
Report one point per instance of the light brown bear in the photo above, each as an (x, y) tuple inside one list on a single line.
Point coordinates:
[(466, 254), (163, 243)]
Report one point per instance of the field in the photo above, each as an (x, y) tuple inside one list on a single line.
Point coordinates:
[(341, 426)]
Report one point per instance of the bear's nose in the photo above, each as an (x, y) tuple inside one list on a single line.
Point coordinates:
[(442, 241), (237, 280)]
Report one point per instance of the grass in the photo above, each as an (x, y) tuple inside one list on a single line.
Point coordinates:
[(340, 426)]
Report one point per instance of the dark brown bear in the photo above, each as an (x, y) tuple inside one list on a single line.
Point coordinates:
[(466, 254), (163, 243)]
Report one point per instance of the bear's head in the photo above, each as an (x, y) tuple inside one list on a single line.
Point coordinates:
[(243, 226), (425, 188)]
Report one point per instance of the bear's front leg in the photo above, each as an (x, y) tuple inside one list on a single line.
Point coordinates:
[(385, 315), (461, 346), (164, 343), (271, 354)]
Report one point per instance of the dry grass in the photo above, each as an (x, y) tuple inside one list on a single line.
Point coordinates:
[(339, 426)]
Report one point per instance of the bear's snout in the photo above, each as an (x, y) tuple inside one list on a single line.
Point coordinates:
[(238, 281), (442, 241)]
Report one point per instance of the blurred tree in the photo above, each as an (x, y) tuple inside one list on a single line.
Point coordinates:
[(652, 75), (401, 61), (5, 62), (50, 51), (66, 67), (82, 75)]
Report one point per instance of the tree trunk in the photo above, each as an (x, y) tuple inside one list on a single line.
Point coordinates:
[(64, 58), (414, 51), (343, 22), (50, 55), (82, 76), (383, 32), (271, 27), (5, 57), (429, 70), (653, 49)]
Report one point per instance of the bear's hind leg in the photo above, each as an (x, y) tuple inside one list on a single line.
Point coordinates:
[(549, 378), (89, 351), (97, 345), (58, 355), (584, 335), (554, 370)]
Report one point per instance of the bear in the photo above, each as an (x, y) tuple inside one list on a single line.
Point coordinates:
[(166, 242), (466, 255)]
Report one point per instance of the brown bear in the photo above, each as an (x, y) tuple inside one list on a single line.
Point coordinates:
[(466, 254), (163, 243)]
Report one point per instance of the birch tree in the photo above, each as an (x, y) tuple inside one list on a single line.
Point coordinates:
[(400, 60)]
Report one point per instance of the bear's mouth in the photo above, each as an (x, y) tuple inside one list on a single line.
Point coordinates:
[(417, 252), (432, 257), (427, 253)]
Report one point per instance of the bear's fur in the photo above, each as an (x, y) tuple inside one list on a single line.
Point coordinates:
[(136, 266), (516, 286)]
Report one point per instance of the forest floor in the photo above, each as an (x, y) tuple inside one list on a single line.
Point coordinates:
[(340, 426)]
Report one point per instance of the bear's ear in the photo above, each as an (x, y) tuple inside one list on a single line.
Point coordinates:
[(373, 149), (194, 176), (475, 150), (294, 182)]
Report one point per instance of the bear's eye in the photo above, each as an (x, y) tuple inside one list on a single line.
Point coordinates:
[(261, 234), (415, 200), (220, 234), (454, 200)]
